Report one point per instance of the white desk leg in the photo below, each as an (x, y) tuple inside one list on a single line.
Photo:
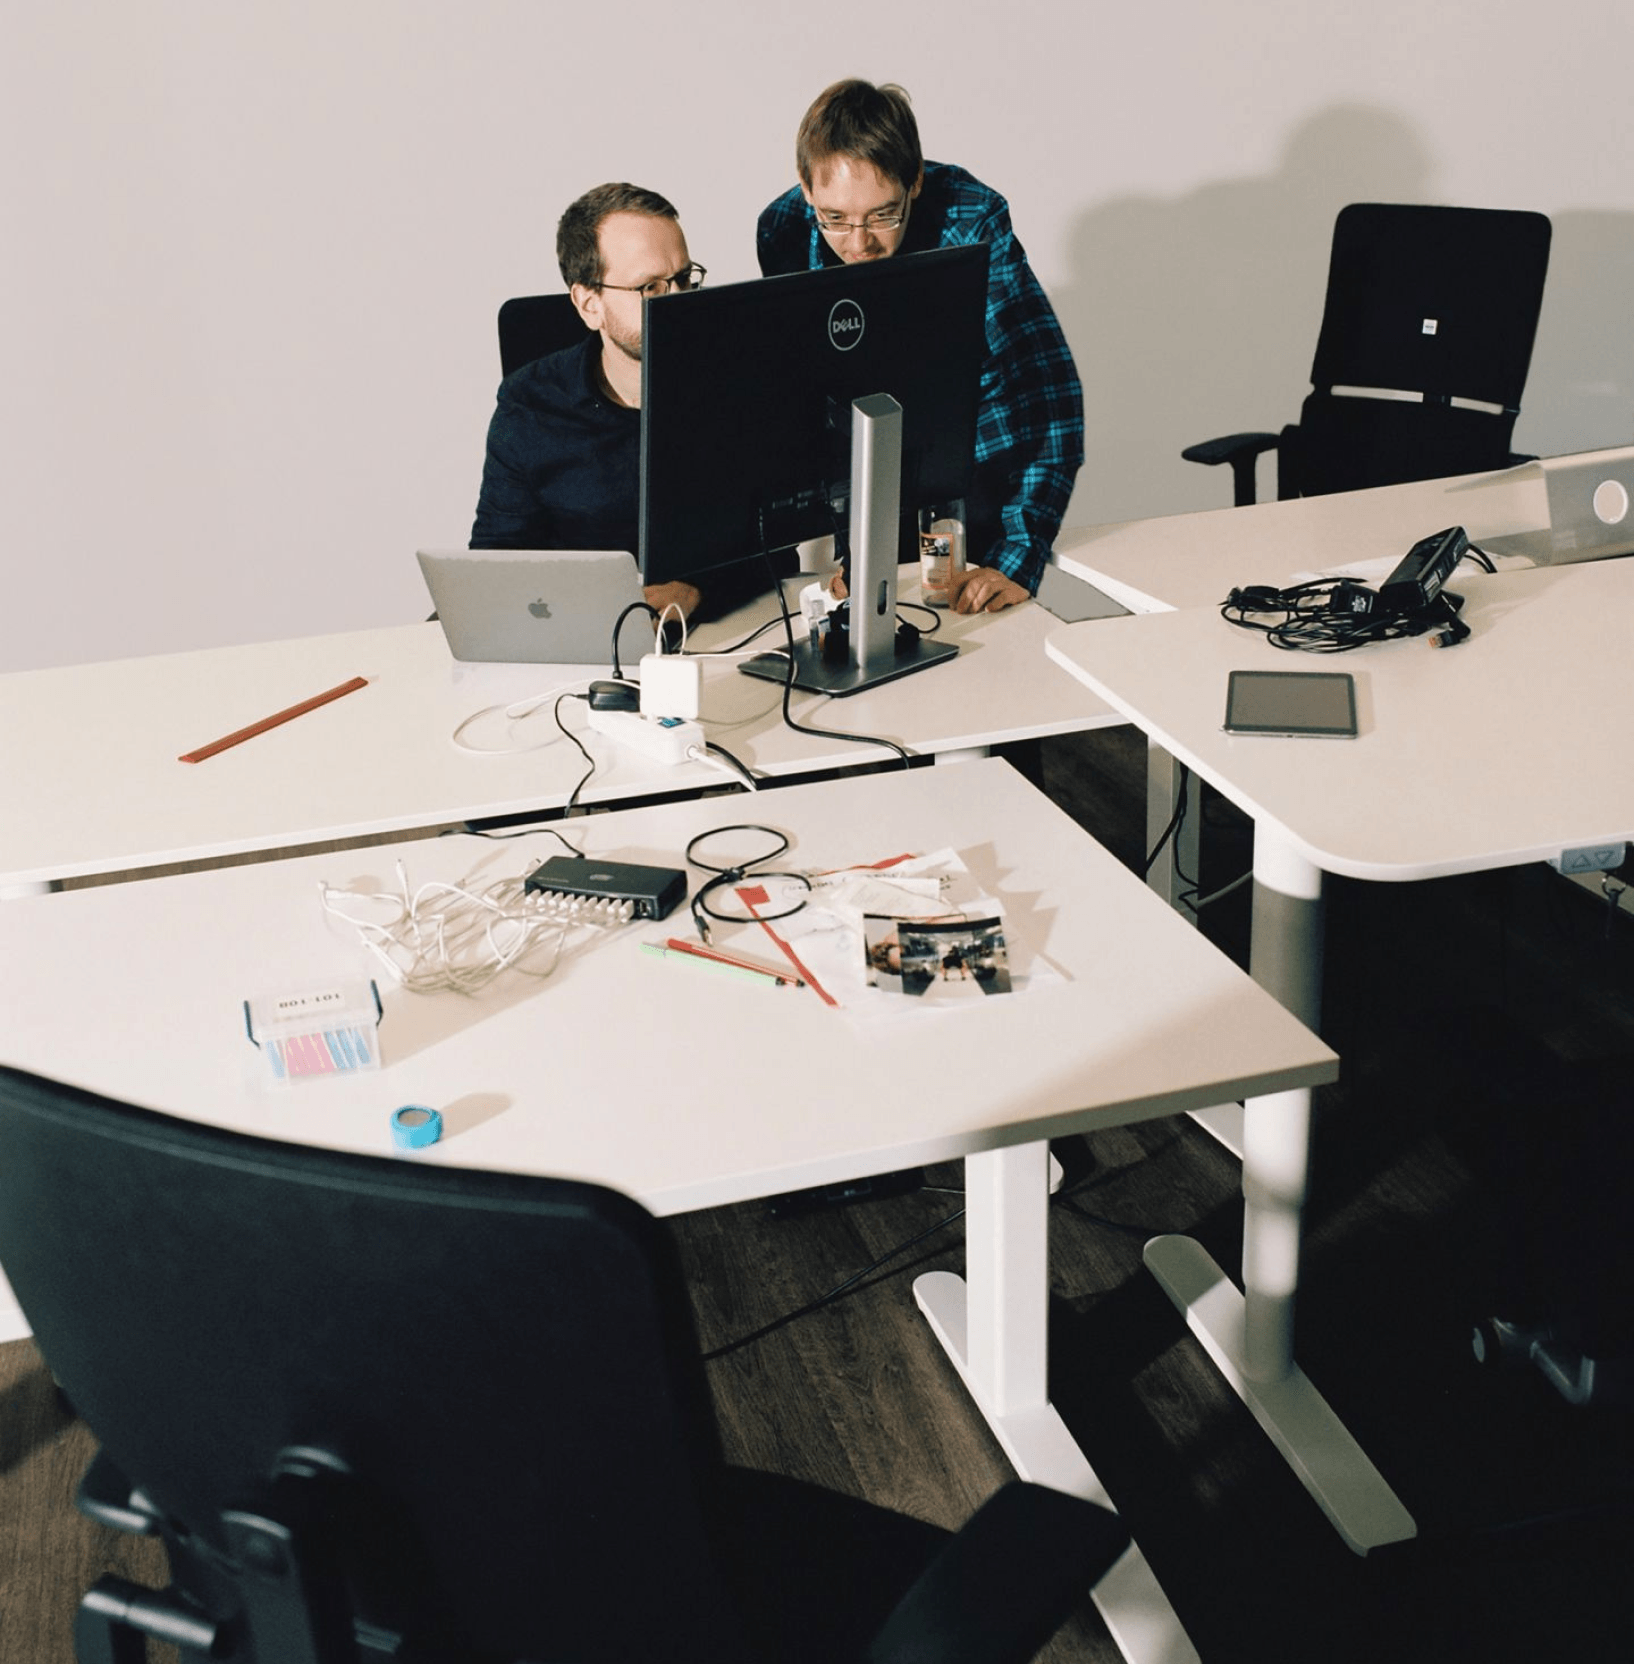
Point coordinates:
[(1250, 1335), (995, 1328)]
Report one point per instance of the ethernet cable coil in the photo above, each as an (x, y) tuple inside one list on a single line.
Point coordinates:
[(440, 937)]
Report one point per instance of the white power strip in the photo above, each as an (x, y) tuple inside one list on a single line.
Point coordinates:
[(664, 739)]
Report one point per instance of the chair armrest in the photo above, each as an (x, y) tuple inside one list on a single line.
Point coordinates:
[(1227, 448), (1241, 450), (1003, 1586), (106, 1496)]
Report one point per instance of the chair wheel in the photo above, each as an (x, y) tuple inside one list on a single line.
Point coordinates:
[(1499, 1345)]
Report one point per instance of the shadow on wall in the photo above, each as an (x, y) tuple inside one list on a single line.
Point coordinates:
[(1198, 316)]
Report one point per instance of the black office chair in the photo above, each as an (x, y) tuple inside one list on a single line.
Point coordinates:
[(380, 1409), (532, 325), (1437, 302)]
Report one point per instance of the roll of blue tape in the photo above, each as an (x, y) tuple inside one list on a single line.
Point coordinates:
[(414, 1126)]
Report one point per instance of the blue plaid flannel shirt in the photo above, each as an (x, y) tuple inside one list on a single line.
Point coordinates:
[(1030, 424)]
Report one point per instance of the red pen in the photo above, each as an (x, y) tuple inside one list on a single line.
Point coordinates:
[(676, 945), (242, 734)]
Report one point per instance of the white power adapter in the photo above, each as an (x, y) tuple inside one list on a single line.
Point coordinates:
[(670, 686), (664, 739)]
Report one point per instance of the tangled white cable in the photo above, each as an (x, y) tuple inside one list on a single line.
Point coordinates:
[(449, 937)]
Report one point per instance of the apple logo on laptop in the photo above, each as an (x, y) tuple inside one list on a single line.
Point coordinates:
[(539, 609)]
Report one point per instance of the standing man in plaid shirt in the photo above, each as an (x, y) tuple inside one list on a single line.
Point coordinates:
[(866, 193)]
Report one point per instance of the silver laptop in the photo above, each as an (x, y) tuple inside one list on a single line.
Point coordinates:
[(1591, 511), (530, 606)]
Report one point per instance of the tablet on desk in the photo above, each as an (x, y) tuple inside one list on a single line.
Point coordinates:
[(1307, 703), (1072, 600)]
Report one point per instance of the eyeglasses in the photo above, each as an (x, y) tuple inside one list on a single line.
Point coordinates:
[(683, 282), (888, 221)]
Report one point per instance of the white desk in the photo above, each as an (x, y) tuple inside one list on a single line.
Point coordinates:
[(689, 1090), (1193, 560), (1484, 755), (89, 752)]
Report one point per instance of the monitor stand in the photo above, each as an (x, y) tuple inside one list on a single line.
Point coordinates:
[(876, 651)]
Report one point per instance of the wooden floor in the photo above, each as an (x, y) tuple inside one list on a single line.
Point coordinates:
[(1457, 1007)]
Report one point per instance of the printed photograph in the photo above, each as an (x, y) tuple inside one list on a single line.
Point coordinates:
[(937, 960)]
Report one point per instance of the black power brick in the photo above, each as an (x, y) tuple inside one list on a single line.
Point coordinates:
[(1421, 572)]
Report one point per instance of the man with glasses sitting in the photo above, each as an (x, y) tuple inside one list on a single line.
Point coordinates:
[(564, 445), (866, 193)]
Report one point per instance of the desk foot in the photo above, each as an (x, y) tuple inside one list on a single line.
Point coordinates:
[(1040, 1448), (1327, 1460)]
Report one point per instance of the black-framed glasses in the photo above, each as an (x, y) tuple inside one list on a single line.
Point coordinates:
[(683, 282), (891, 220)]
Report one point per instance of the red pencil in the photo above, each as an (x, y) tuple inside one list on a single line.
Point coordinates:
[(272, 721), (677, 945)]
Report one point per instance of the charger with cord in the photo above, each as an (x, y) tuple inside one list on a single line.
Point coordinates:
[(671, 686)]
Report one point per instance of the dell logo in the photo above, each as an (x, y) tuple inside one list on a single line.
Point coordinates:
[(845, 324)]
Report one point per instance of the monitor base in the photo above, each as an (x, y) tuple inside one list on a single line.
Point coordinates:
[(814, 674)]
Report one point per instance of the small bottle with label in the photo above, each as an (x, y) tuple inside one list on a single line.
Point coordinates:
[(941, 552)]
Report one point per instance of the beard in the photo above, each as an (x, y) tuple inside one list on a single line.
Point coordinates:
[(629, 345)]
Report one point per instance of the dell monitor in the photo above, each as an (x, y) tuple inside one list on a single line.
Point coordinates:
[(837, 400)]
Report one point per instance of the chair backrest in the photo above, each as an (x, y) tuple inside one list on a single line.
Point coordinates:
[(530, 326), (505, 1364), (1439, 301)]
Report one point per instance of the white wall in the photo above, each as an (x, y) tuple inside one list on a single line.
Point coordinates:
[(252, 249)]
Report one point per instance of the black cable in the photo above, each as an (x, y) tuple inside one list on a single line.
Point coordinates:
[(618, 624), (1173, 828), (1338, 615), (702, 912), (738, 646), (746, 773), (556, 711), (521, 832), (934, 614), (833, 1294), (788, 671), (1062, 1198)]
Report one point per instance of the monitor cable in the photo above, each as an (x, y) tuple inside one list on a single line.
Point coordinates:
[(788, 670)]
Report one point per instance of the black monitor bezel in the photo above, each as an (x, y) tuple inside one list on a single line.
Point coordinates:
[(703, 506)]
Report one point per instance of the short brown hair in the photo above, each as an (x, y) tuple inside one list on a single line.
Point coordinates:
[(867, 123), (578, 232)]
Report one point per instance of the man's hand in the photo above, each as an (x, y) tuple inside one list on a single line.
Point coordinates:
[(984, 589), (979, 589), (682, 595)]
